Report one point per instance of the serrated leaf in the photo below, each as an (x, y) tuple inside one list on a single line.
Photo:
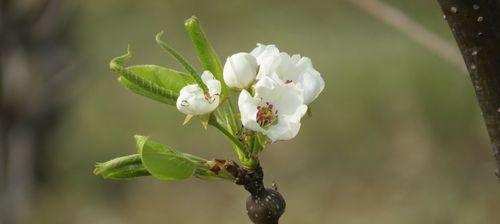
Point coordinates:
[(163, 162)]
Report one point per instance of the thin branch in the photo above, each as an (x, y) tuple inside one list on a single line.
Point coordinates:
[(415, 31)]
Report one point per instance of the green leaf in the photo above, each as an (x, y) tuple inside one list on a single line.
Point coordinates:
[(189, 68), (164, 77), (125, 167), (163, 162), (206, 53), (155, 82), (137, 89)]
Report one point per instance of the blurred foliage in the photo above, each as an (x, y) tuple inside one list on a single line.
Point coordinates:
[(396, 137)]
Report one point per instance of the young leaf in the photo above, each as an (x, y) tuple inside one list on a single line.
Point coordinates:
[(163, 162), (137, 89), (182, 61), (125, 167), (152, 81), (164, 77), (206, 53)]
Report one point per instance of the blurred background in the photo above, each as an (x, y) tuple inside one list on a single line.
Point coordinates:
[(396, 137)]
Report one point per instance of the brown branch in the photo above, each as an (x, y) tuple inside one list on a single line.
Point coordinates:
[(476, 27), (415, 31)]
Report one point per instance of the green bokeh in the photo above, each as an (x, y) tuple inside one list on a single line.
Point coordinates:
[(396, 137)]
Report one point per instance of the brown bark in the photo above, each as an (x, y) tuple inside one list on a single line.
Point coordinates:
[(476, 28)]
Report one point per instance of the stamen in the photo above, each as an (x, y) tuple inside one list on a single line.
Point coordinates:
[(266, 116), (288, 81), (211, 98), (185, 103)]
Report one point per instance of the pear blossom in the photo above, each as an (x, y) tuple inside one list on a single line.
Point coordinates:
[(291, 69), (275, 110), (193, 101), (240, 70)]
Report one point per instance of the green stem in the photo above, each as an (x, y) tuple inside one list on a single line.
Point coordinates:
[(239, 149), (232, 112)]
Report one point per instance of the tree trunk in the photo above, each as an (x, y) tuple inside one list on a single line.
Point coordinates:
[(476, 28), (35, 52)]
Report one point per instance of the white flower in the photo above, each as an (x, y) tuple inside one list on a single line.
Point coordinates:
[(263, 52), (240, 70), (291, 69), (193, 101), (275, 110)]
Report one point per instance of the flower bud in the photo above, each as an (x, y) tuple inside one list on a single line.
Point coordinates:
[(193, 101), (240, 70)]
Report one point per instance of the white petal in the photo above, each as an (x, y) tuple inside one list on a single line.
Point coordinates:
[(213, 85), (312, 83), (191, 89), (295, 58), (287, 70), (284, 130), (248, 110), (240, 70), (265, 88), (262, 52), (291, 103), (304, 63), (207, 75), (287, 98), (282, 65)]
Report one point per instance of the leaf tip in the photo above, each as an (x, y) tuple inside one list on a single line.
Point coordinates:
[(158, 36), (115, 63), (98, 168), (140, 137), (193, 19)]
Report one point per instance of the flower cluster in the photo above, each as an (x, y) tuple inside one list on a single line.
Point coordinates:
[(193, 101), (275, 90)]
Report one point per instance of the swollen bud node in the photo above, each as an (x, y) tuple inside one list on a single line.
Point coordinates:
[(266, 208), (264, 205)]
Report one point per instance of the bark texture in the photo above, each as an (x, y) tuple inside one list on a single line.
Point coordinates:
[(475, 24)]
